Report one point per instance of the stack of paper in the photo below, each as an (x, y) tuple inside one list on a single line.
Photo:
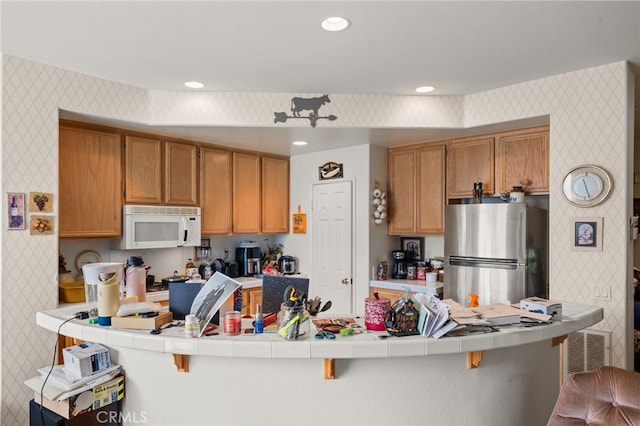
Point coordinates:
[(58, 387), (498, 314), (433, 318)]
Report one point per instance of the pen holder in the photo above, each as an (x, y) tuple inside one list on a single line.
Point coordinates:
[(293, 322)]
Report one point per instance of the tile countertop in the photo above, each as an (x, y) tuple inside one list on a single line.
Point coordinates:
[(270, 345)]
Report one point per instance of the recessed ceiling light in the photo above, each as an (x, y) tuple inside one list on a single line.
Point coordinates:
[(335, 23), (194, 84), (425, 89), (299, 143)]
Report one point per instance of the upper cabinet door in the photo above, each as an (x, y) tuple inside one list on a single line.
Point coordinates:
[(402, 177), (90, 183), (215, 191), (430, 189), (246, 193), (523, 160), (275, 195), (143, 170), (181, 174), (468, 160)]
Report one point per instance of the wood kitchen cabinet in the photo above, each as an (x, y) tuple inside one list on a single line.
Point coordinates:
[(469, 160), (246, 193), (416, 195), (160, 172), (385, 293), (394, 295), (250, 298), (215, 191), (143, 170), (260, 194), (90, 183), (522, 158), (275, 195), (180, 174)]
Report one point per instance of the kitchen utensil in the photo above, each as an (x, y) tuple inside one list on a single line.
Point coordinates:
[(287, 265), (231, 269), (218, 266), (134, 261), (325, 335), (175, 278), (248, 256), (91, 272), (151, 279), (326, 306), (399, 268)]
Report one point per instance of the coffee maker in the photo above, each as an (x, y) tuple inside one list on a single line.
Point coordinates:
[(248, 257), (399, 269)]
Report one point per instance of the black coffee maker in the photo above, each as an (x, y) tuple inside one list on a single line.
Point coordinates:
[(399, 269)]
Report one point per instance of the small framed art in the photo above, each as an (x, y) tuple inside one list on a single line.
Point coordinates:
[(413, 246), (15, 210), (587, 234)]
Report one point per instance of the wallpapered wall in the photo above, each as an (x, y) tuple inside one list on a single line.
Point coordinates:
[(589, 124)]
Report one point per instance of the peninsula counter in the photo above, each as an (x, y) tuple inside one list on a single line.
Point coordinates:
[(262, 379)]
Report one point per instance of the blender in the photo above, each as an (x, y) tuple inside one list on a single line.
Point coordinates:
[(203, 256)]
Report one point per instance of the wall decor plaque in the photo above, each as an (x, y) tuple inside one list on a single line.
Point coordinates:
[(330, 170)]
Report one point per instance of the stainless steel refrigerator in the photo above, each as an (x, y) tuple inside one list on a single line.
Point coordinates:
[(498, 251)]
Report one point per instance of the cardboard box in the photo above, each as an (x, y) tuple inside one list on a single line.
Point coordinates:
[(542, 306), (140, 322), (85, 359), (100, 396)]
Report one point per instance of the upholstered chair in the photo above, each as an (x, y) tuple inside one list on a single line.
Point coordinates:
[(607, 396)]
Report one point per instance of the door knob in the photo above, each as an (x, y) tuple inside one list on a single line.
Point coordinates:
[(345, 281)]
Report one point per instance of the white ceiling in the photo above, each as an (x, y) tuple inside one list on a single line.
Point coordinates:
[(392, 47)]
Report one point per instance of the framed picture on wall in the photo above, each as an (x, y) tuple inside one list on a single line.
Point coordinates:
[(587, 234), (15, 210), (413, 246)]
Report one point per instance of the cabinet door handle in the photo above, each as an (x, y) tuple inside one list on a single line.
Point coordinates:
[(345, 281)]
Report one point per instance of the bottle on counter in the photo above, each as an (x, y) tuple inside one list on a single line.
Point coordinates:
[(191, 326), (190, 268), (258, 322)]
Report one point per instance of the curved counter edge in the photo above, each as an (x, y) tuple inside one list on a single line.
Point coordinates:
[(269, 345)]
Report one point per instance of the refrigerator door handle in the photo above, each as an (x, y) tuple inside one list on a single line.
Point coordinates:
[(483, 262)]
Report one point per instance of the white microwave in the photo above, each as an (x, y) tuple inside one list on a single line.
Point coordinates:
[(145, 227)]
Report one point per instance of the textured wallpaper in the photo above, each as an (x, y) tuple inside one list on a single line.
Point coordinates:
[(588, 116)]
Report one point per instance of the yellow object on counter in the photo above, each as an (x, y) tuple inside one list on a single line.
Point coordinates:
[(71, 292)]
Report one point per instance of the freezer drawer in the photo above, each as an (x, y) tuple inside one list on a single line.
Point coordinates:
[(492, 285)]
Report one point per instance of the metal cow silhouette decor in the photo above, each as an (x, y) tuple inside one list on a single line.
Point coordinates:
[(305, 104)]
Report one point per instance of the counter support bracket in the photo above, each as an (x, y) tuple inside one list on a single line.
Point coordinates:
[(473, 359), (182, 362), (559, 341), (329, 368)]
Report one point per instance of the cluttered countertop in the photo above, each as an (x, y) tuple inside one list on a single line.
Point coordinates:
[(367, 344)]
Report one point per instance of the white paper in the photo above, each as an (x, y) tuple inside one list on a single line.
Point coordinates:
[(211, 297), (58, 388)]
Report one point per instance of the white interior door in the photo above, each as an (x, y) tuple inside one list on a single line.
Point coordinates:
[(331, 239)]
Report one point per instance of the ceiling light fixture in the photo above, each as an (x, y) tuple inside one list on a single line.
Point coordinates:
[(425, 89), (299, 143), (335, 23), (194, 85)]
